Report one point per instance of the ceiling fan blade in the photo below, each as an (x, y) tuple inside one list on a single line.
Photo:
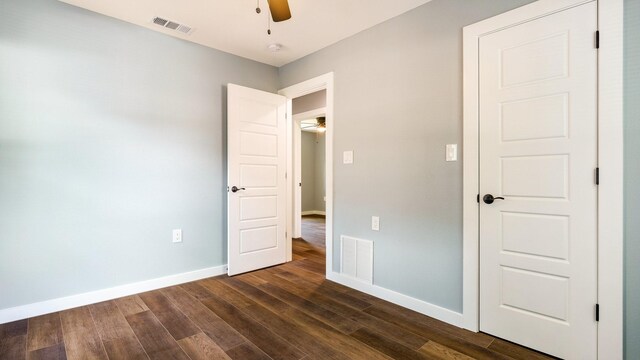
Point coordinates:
[(279, 10)]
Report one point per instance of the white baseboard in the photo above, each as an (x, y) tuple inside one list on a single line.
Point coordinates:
[(313, 212), (68, 302), (423, 307)]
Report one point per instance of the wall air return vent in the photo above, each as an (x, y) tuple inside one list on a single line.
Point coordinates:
[(172, 25), (356, 258)]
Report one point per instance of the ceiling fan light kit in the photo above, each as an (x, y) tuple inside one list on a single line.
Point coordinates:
[(318, 124)]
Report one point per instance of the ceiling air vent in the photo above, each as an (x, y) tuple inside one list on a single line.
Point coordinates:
[(184, 28), (160, 21), (172, 25)]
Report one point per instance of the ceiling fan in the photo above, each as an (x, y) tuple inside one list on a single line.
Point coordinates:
[(318, 124), (279, 9)]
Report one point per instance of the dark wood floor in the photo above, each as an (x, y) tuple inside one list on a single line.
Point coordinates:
[(285, 312)]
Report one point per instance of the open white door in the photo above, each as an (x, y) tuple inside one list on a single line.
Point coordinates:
[(256, 171), (538, 157)]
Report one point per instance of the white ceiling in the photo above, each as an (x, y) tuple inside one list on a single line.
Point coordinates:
[(234, 27)]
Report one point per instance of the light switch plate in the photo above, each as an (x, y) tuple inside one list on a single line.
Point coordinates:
[(375, 223), (451, 152), (347, 157)]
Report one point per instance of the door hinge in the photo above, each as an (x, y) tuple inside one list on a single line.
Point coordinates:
[(285, 174), (597, 176), (597, 39), (597, 312), (478, 198), (286, 235), (227, 189)]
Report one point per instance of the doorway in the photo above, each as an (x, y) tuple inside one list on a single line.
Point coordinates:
[(263, 152), (309, 116), (312, 164), (311, 103), (313, 180)]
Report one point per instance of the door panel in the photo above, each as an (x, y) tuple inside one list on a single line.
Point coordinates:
[(258, 175), (256, 239), (258, 144), (538, 59), (258, 207), (539, 176), (518, 285), (538, 150), (256, 158), (536, 234), (535, 118)]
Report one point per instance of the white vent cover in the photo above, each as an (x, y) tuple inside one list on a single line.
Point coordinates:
[(356, 258), (172, 25)]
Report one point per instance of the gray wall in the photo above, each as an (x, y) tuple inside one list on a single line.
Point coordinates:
[(315, 100), (398, 101), (111, 136), (308, 162), (100, 159), (632, 178), (320, 166), (313, 171)]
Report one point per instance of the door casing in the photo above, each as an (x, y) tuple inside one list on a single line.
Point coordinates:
[(610, 162)]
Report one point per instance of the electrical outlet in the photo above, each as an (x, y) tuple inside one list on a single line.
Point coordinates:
[(177, 235), (375, 223)]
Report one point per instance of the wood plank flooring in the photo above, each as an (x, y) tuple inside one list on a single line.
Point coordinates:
[(285, 312)]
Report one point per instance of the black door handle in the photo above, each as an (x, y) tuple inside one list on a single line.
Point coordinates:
[(236, 189), (488, 199)]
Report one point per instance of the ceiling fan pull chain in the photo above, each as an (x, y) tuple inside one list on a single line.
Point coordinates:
[(278, 11)]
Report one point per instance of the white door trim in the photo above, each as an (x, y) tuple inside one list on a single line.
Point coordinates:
[(322, 82), (610, 159)]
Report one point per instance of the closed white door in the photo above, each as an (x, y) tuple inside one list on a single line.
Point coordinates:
[(256, 156), (538, 151)]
